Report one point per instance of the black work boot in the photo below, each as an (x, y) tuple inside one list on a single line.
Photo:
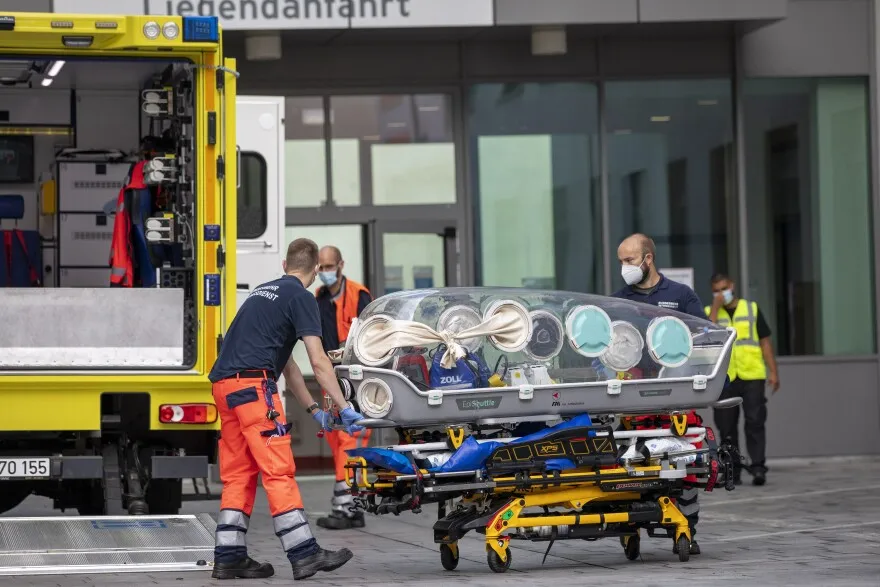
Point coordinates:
[(759, 476), (246, 568), (323, 560), (339, 521)]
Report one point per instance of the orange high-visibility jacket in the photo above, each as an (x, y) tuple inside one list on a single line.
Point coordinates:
[(346, 307)]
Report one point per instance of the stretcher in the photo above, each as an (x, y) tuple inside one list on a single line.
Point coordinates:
[(575, 480), (609, 385)]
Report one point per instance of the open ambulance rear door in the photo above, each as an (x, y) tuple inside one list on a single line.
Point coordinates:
[(260, 243)]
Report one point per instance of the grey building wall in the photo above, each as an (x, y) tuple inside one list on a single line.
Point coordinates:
[(518, 12), (818, 37), (394, 58)]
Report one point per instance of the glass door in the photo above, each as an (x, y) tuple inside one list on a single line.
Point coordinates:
[(419, 254)]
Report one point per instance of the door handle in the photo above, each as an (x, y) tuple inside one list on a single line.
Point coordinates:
[(244, 286), (237, 166), (267, 245)]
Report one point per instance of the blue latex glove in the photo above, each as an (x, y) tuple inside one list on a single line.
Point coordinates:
[(349, 417), (324, 419)]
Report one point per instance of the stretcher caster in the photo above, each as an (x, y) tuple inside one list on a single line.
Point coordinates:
[(683, 546), (495, 563), (449, 556), (631, 546)]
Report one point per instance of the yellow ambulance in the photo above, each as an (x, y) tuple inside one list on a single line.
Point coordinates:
[(118, 168)]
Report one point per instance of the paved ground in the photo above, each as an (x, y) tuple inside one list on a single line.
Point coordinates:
[(815, 523)]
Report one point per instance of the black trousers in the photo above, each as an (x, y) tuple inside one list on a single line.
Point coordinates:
[(754, 406)]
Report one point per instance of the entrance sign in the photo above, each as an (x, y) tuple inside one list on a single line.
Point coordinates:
[(302, 14)]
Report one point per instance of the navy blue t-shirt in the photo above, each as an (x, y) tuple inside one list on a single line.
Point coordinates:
[(666, 294), (266, 328)]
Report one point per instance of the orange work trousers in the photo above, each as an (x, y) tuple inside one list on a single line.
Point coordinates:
[(341, 441), (245, 451)]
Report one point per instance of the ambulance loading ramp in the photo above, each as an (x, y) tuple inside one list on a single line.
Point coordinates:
[(106, 544)]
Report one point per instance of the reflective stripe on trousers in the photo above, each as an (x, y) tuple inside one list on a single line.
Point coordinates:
[(229, 538), (342, 499), (293, 530)]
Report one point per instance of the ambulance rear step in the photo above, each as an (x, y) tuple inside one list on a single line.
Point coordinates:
[(106, 544)]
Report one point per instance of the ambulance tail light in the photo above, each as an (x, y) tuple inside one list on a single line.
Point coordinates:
[(187, 413), (201, 29)]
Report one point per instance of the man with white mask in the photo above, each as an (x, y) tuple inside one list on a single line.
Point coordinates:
[(645, 284)]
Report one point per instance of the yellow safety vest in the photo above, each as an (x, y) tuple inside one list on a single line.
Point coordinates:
[(746, 361)]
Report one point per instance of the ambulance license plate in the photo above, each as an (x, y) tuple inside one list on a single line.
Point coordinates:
[(23, 467)]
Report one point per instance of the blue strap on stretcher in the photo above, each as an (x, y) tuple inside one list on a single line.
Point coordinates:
[(471, 454)]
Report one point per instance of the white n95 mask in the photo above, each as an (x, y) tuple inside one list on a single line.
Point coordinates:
[(632, 274)]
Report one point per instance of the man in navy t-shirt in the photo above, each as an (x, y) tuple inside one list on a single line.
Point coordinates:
[(647, 285), (253, 433)]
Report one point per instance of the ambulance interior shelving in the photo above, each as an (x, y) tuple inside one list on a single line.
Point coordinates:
[(73, 134)]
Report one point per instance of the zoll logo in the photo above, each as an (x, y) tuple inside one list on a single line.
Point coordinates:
[(450, 379)]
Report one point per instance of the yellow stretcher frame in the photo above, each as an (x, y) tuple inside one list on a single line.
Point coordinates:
[(563, 490), (73, 398)]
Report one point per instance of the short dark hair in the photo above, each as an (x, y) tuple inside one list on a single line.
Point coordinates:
[(719, 277), (302, 255)]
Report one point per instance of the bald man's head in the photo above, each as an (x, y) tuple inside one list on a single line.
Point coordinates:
[(637, 251), (331, 254), (330, 266), (637, 244)]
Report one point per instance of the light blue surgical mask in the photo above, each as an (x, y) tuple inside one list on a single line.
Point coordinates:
[(328, 278), (727, 296)]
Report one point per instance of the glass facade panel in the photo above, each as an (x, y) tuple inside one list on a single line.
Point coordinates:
[(401, 145), (535, 152), (305, 155), (413, 261), (671, 173), (808, 201)]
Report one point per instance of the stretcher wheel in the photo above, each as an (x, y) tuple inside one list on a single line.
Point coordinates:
[(448, 557), (495, 562), (684, 548), (631, 546)]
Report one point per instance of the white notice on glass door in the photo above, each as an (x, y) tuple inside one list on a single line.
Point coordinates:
[(683, 275)]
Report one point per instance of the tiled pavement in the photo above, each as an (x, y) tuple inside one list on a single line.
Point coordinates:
[(814, 523)]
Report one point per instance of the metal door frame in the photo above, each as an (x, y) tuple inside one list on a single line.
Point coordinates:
[(459, 213), (452, 258)]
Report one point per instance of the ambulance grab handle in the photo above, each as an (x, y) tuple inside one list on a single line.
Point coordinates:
[(237, 166)]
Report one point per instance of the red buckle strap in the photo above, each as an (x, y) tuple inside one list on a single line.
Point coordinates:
[(34, 276), (7, 241)]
